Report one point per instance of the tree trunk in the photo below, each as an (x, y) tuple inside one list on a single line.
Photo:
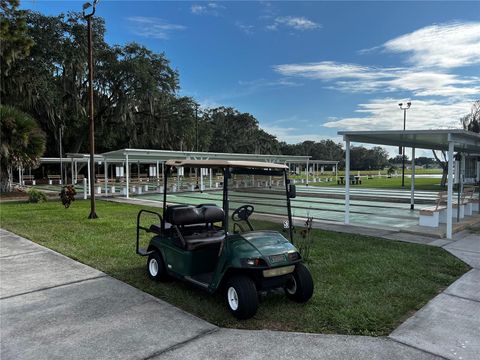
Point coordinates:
[(444, 166), (443, 183), (5, 180)]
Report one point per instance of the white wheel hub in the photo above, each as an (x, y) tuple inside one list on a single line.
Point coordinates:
[(291, 286), (153, 267), (232, 298)]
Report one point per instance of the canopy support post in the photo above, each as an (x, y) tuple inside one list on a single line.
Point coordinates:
[(105, 165), (450, 190), (71, 170), (127, 175), (307, 170), (347, 180), (412, 180)]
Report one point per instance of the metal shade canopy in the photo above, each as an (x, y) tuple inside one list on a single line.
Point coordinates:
[(150, 154), (464, 141), (448, 140), (225, 164)]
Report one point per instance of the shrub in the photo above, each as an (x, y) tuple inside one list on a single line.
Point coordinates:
[(391, 170), (67, 195), (305, 243), (36, 196)]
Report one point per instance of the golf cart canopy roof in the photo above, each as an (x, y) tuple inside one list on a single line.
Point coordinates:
[(226, 164)]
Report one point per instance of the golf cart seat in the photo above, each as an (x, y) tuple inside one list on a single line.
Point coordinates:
[(194, 224)]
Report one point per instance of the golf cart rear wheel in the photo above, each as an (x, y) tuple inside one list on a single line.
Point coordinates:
[(300, 287), (156, 267), (242, 298)]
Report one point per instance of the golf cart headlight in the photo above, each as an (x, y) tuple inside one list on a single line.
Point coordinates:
[(293, 256), (253, 262)]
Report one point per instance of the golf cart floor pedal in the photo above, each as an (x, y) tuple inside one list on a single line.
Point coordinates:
[(203, 280), (144, 252)]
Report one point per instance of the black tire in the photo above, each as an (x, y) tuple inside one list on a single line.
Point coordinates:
[(243, 289), (155, 261), (300, 287)]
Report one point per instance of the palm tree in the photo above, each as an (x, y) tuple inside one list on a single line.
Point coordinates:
[(22, 143)]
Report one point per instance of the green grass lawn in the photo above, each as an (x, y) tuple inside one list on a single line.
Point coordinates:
[(363, 285)]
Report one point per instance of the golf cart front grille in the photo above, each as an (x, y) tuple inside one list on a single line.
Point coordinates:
[(277, 258), (273, 282), (278, 271)]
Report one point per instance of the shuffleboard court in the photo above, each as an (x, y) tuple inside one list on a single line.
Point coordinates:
[(367, 192), (383, 213)]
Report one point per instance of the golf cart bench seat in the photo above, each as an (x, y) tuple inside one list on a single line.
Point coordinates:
[(182, 215), (194, 224)]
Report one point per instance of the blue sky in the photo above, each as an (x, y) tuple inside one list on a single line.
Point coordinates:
[(306, 70)]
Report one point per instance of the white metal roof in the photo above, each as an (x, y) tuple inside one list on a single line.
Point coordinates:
[(150, 154), (311, 162), (225, 163), (464, 141)]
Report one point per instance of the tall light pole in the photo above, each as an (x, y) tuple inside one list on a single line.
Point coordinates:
[(60, 151), (196, 145), (404, 107), (196, 127), (88, 17)]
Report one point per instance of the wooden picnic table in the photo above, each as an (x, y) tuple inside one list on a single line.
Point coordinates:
[(354, 180)]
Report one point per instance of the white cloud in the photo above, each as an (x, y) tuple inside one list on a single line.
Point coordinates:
[(358, 78), (264, 83), (440, 96), (152, 27), (209, 103), (293, 22), (246, 28), (211, 8), (327, 70), (249, 87), (197, 9), (385, 114), (445, 46), (267, 10)]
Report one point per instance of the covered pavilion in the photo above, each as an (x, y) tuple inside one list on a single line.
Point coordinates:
[(124, 158), (313, 166), (448, 140)]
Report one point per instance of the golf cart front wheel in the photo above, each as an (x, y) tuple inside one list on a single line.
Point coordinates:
[(155, 267), (300, 287), (242, 297)]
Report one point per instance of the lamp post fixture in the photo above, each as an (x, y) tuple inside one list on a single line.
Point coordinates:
[(88, 17), (404, 107)]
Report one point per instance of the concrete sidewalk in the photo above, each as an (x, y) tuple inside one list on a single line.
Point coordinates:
[(449, 325), (53, 307)]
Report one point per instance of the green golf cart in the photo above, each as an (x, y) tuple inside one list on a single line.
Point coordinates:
[(205, 246)]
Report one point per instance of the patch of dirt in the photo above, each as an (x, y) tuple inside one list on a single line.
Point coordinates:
[(13, 196)]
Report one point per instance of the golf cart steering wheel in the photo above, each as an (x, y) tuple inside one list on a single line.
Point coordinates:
[(242, 213)]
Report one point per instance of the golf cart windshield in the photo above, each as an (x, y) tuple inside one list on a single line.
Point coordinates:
[(250, 193)]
